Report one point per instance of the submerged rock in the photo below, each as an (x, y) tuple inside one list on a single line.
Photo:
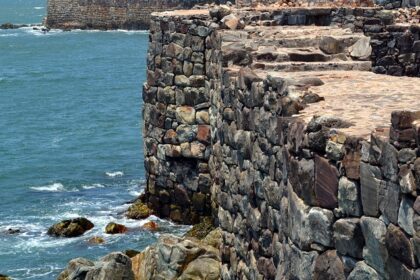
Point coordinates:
[(115, 266), (71, 228), (150, 226), (138, 210), (114, 228), (96, 240)]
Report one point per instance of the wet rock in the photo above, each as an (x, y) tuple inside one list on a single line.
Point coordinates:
[(114, 228), (96, 240), (348, 197), (70, 228), (13, 231), (348, 237), (328, 266), (152, 226), (138, 210), (375, 252), (363, 272), (115, 266)]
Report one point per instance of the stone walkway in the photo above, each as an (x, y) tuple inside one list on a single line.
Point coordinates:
[(363, 98)]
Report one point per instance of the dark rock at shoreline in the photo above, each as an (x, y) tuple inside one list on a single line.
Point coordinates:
[(138, 210), (4, 277), (9, 25), (131, 253), (114, 228), (71, 228), (116, 266)]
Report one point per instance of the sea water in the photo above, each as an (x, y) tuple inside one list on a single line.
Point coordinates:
[(70, 140)]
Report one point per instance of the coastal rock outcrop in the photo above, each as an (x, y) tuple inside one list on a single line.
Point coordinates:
[(71, 228), (115, 266), (180, 258), (114, 228), (138, 210)]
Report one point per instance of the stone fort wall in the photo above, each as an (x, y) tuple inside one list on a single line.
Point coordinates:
[(294, 200), (109, 14)]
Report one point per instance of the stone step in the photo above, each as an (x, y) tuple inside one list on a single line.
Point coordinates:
[(344, 41), (313, 66), (310, 54)]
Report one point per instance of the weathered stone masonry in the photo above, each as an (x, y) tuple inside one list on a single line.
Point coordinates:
[(295, 197), (109, 14)]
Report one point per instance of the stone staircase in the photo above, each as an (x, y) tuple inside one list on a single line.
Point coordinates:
[(297, 48)]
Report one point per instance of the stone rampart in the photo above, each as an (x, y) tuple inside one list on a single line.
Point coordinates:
[(109, 14), (306, 180)]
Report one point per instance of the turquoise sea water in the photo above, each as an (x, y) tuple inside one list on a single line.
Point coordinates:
[(70, 140)]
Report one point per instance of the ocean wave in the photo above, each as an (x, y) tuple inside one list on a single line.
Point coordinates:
[(114, 174), (38, 31), (9, 35), (93, 186), (38, 8), (55, 187)]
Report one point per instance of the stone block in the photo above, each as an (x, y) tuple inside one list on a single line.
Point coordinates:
[(349, 197), (369, 188), (326, 183), (389, 200), (328, 266), (363, 272), (348, 237), (375, 252), (302, 179), (399, 246), (320, 224), (406, 214)]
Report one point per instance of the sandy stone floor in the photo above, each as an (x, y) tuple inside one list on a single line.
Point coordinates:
[(362, 98)]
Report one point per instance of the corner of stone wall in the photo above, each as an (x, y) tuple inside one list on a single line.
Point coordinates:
[(182, 77)]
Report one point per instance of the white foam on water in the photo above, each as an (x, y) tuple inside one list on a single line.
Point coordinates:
[(114, 174), (38, 8), (55, 187), (38, 31), (93, 186), (9, 35)]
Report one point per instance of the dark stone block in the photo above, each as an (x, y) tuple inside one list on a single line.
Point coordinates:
[(328, 266), (326, 183), (369, 188), (399, 245), (348, 237)]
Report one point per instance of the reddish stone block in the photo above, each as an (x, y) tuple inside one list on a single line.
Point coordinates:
[(204, 133), (326, 183)]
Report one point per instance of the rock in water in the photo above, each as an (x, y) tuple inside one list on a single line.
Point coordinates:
[(114, 228), (138, 210), (115, 266), (71, 228), (96, 240), (150, 226), (4, 277)]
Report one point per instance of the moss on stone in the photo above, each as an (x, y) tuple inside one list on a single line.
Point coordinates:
[(201, 229), (138, 210)]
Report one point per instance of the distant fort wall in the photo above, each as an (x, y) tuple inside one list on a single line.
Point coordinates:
[(109, 14)]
